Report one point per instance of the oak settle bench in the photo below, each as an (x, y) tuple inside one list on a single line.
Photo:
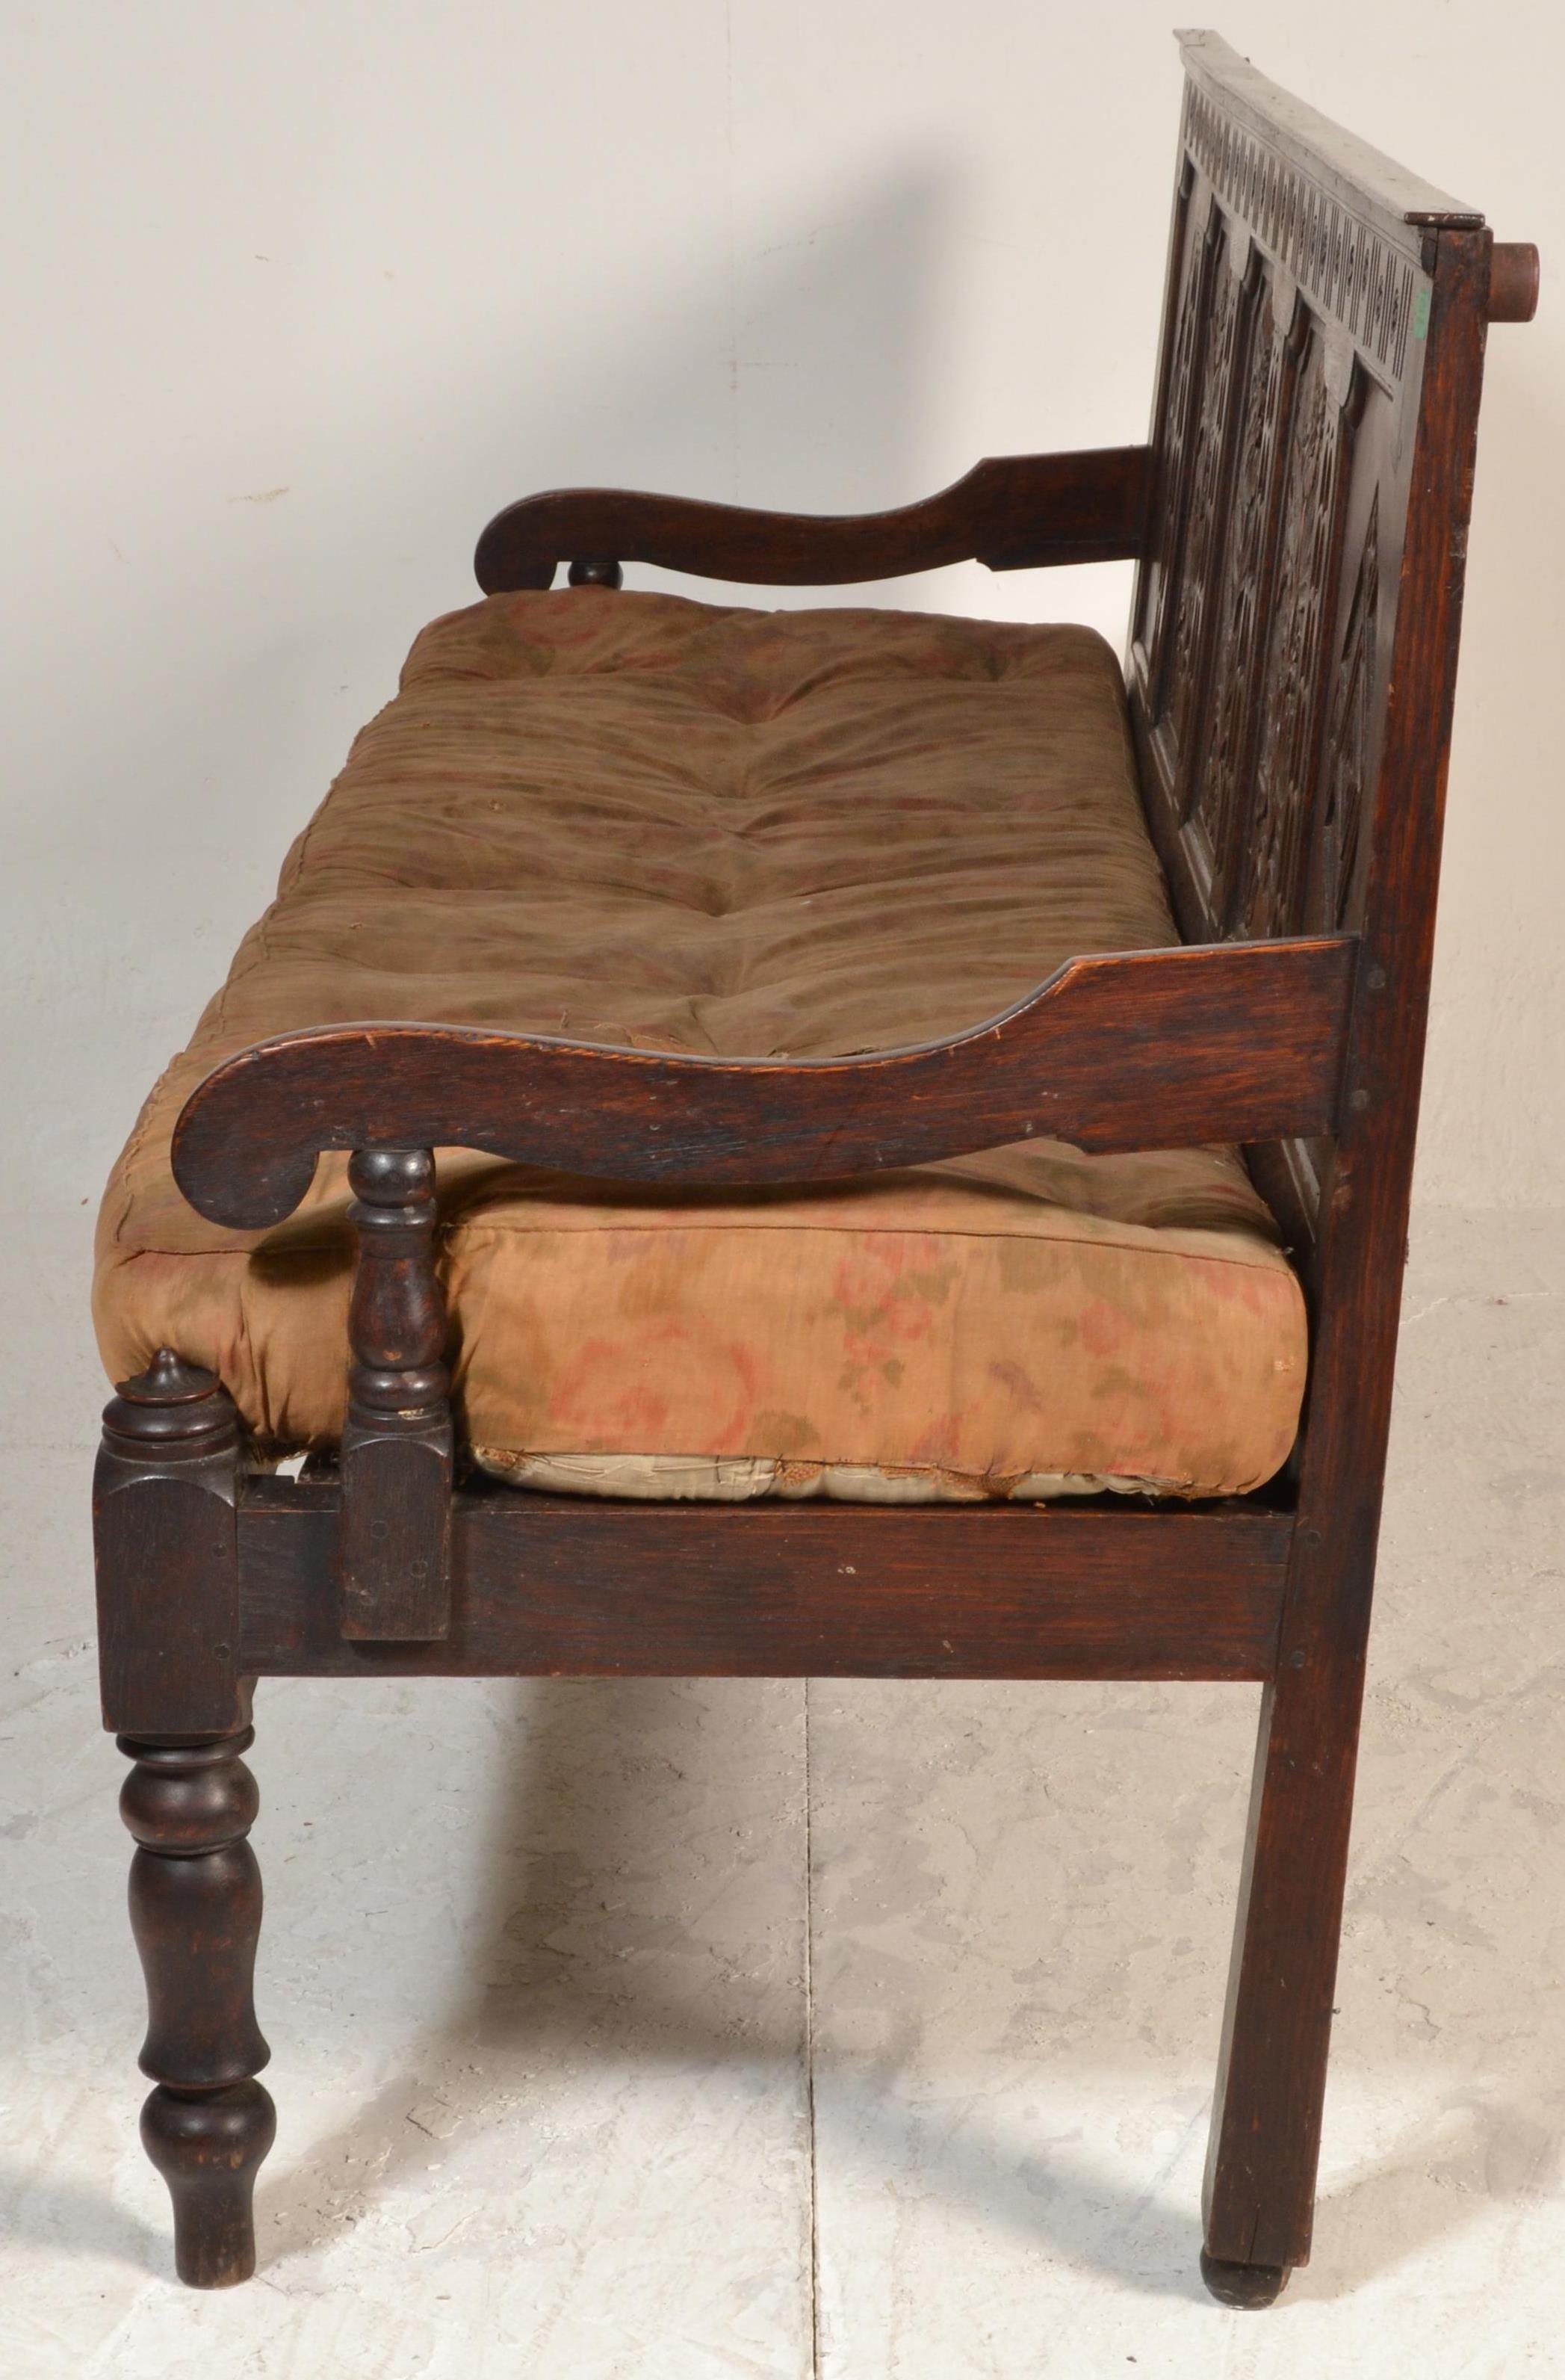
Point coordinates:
[(791, 1220)]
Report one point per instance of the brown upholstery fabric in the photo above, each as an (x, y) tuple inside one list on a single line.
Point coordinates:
[(632, 819)]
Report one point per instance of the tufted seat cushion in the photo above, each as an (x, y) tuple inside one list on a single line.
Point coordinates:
[(632, 819)]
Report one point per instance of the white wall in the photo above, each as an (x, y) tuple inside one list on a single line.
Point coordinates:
[(298, 295)]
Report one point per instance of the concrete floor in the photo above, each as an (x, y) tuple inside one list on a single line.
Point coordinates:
[(683, 2029)]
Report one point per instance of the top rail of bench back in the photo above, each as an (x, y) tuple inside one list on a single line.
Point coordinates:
[(1358, 175)]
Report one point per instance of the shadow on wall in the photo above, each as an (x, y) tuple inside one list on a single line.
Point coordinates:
[(232, 665), (1494, 1120), (801, 376)]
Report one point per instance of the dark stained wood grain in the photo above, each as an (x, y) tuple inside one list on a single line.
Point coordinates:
[(1015, 512), (582, 1587), (1150, 1049)]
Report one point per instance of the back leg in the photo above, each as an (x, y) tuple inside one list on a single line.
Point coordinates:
[(1259, 2196)]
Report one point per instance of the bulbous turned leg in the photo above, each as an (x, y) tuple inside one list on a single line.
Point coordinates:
[(208, 2145), (1249, 2286), (195, 1911)]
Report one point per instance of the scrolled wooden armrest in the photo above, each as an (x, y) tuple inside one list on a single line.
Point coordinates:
[(1141, 1049), (1015, 512)]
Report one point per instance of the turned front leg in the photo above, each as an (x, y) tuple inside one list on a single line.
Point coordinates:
[(195, 1910)]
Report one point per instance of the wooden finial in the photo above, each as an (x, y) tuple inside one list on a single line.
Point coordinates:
[(171, 1402)]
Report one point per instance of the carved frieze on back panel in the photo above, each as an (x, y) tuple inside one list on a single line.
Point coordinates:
[(1179, 693), (1348, 270), (1287, 396), (1217, 773), (1174, 440), (1278, 830), (1345, 769)]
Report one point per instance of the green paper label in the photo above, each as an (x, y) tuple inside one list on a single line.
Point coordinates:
[(1421, 312)]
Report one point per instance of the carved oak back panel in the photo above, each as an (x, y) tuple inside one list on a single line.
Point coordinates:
[(1295, 341)]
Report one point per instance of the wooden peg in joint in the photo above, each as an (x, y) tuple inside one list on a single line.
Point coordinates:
[(1513, 281)]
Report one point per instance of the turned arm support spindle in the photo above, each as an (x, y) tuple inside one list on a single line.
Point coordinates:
[(396, 1456), (596, 571)]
